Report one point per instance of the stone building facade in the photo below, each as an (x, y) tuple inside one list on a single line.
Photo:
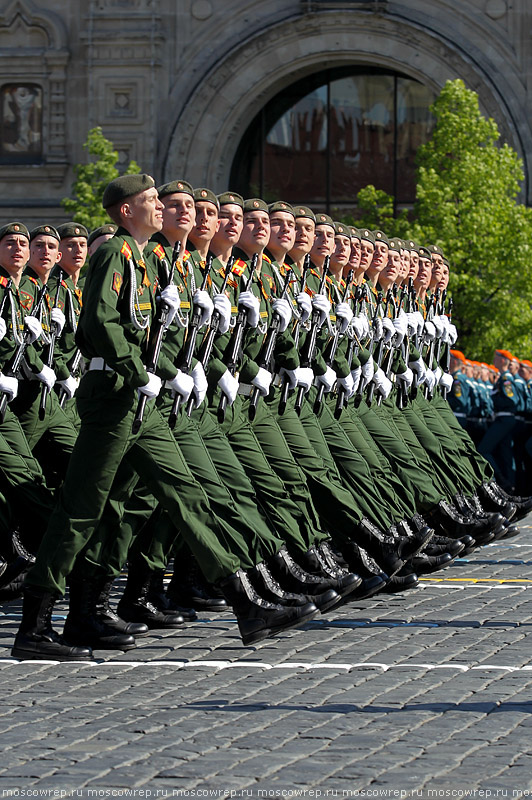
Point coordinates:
[(175, 84)]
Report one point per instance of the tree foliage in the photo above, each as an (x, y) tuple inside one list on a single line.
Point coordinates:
[(91, 179)]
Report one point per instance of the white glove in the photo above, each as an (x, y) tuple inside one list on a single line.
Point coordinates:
[(356, 374), (430, 379), (437, 374), (252, 304), (429, 332), (446, 381), (321, 303), (152, 388), (344, 315), (222, 306), (281, 307), (406, 377), (382, 383), (348, 384), (368, 371), (452, 334), (170, 296), (305, 305), (69, 385), (360, 326), (9, 386), (58, 318), (203, 301), (388, 330), (328, 379), (420, 322), (33, 328), (419, 368), (300, 376), (182, 384), (200, 384), (400, 324), (229, 386), (262, 381), (3, 328), (46, 376), (412, 323), (377, 329), (439, 326)]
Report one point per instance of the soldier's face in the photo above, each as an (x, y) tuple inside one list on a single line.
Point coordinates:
[(179, 214), (366, 253), (324, 241), (437, 270), (380, 257), (405, 263), (342, 251), (282, 232), (304, 238), (393, 266), (206, 223), (444, 280), (255, 232), (73, 252), (144, 211), (14, 251), (424, 273), (355, 254), (44, 254), (414, 265), (231, 224)]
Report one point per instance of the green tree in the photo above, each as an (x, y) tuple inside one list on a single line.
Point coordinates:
[(467, 202), (376, 212), (91, 179)]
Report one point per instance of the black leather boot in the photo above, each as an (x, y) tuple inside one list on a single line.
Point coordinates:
[(373, 578), (162, 601), (295, 579), (401, 583), (84, 626), (257, 618), (492, 494), (424, 564), (134, 605), (390, 552), (189, 589), (442, 544), (270, 589), (446, 519), (36, 639), (314, 563), (106, 614)]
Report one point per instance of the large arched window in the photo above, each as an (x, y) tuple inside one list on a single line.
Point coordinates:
[(325, 137)]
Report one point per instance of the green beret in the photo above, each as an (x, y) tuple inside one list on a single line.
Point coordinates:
[(355, 233), (424, 252), (126, 186), (175, 187), (255, 204), (303, 212), (366, 235), (44, 230), (281, 206), (435, 249), (68, 229), (324, 219), (446, 261), (342, 230), (380, 237), (231, 198), (413, 247), (14, 227), (207, 196), (395, 244), (101, 231)]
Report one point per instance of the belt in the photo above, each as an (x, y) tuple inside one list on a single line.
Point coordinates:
[(99, 364), (245, 389)]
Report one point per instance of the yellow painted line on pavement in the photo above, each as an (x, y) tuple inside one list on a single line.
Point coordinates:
[(477, 580)]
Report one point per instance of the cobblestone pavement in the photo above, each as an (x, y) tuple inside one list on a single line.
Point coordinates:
[(423, 694)]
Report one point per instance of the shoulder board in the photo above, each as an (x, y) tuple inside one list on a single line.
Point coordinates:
[(328, 279), (266, 258), (64, 284), (239, 267), (3, 281), (159, 251), (186, 256), (126, 250), (33, 280)]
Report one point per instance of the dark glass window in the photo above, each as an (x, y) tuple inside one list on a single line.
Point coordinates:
[(20, 123), (322, 139)]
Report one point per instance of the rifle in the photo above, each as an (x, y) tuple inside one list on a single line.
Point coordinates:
[(309, 345), (340, 402), (236, 338), (45, 391), (205, 350), (360, 391), (378, 358), (402, 394), (188, 348), (266, 351), (155, 341), (434, 304), (285, 385), (334, 344), (412, 307), (18, 355), (73, 368), (448, 347)]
